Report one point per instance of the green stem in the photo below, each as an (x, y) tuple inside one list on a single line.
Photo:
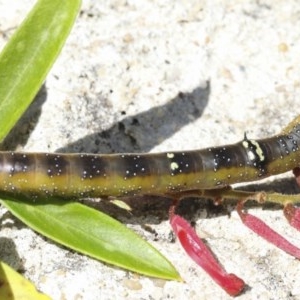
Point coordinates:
[(229, 194)]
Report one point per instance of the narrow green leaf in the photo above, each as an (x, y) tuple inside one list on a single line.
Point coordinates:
[(91, 232), (29, 55)]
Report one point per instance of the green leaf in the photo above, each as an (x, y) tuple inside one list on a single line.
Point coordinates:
[(13, 286), (29, 55), (91, 232)]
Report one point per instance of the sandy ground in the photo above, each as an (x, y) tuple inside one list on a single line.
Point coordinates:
[(158, 76)]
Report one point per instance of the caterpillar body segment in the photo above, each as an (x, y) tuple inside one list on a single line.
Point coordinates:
[(101, 175)]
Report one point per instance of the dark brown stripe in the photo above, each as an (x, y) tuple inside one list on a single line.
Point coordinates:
[(182, 162), (18, 163), (90, 166), (132, 165), (226, 157), (53, 164)]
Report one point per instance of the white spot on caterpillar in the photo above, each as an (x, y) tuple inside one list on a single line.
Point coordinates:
[(245, 144), (251, 155), (174, 165), (170, 155)]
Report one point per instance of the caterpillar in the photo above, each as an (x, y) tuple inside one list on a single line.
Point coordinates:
[(103, 175)]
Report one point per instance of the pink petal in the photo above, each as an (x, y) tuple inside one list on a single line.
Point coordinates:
[(292, 214), (202, 255), (263, 230)]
